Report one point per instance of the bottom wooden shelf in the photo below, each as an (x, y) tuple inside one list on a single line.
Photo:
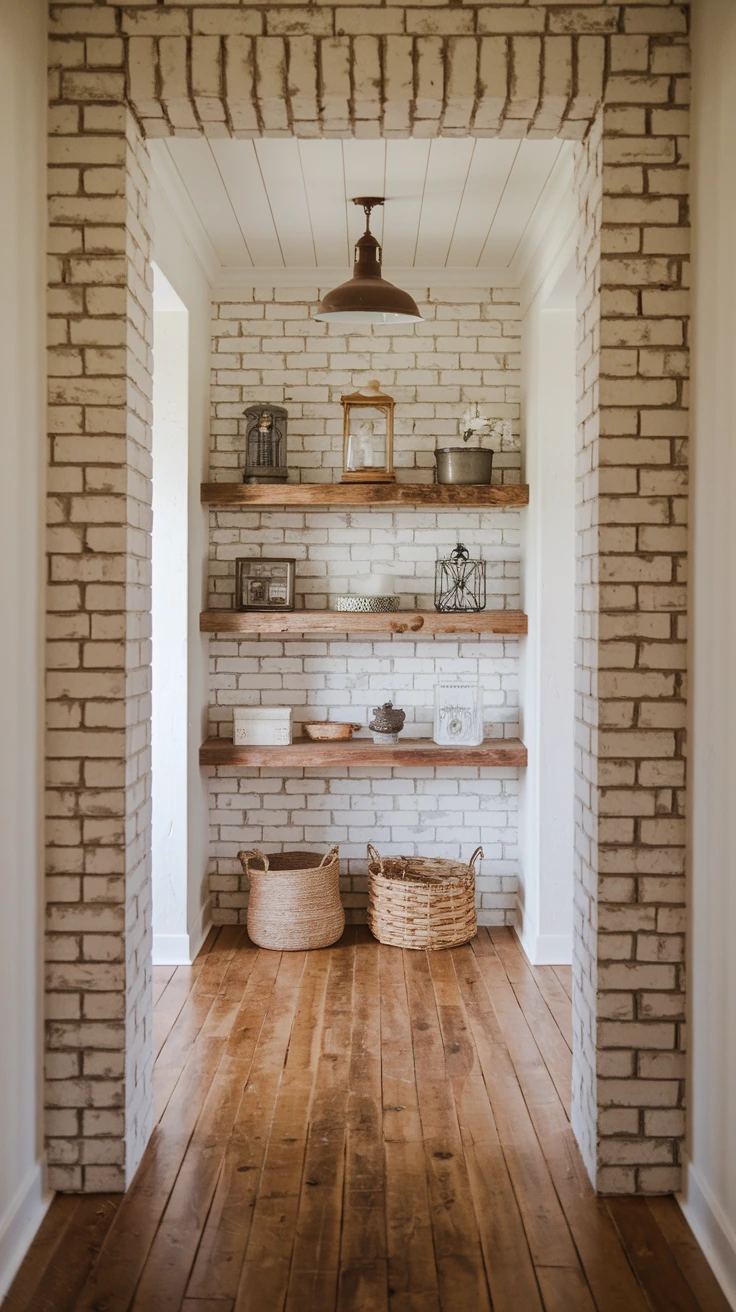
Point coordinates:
[(363, 751)]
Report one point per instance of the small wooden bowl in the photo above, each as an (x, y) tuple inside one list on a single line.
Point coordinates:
[(322, 730)]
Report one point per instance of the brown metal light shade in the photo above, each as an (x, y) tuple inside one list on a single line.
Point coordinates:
[(367, 297)]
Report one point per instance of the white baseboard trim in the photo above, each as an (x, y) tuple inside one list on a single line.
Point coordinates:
[(199, 932), (181, 949), (711, 1228), (171, 950), (546, 949), (20, 1223)]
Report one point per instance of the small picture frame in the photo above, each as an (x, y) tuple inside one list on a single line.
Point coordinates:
[(266, 584)]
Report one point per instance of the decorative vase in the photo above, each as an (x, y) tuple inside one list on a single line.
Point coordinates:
[(463, 465), (387, 723)]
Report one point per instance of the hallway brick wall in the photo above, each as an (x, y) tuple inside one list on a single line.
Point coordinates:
[(372, 70), (98, 1000), (629, 985)]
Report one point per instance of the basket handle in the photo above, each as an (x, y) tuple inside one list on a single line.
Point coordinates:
[(374, 856), (329, 856), (477, 853), (255, 854)]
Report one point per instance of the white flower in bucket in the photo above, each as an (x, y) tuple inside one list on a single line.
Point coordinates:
[(477, 424)]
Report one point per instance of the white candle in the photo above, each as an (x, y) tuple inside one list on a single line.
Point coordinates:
[(376, 585)]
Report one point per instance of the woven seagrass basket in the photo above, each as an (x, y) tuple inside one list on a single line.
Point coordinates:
[(421, 902), (294, 901)]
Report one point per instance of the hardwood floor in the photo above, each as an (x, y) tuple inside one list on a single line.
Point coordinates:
[(367, 1129)]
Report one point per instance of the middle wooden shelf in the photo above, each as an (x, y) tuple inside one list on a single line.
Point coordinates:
[(363, 751), (511, 622)]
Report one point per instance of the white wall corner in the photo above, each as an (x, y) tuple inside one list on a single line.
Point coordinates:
[(181, 949), (20, 1223), (200, 929), (549, 241), (167, 179), (711, 1228), (524, 929), (545, 949)]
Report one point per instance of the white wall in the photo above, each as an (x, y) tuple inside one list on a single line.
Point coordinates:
[(22, 383), (169, 623), (546, 694), (175, 258), (710, 1181)]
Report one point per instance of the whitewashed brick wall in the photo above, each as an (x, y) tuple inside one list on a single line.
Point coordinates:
[(98, 946), (267, 346), (629, 985), (271, 348)]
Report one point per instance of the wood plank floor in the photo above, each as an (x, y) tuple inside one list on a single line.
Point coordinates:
[(367, 1129)]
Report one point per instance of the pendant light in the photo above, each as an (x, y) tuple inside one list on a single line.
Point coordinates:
[(367, 297)]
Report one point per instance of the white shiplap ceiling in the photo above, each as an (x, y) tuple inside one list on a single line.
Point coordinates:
[(451, 203)]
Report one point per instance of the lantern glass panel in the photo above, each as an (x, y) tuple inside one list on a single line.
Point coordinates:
[(460, 582), (368, 436), (366, 440), (265, 444)]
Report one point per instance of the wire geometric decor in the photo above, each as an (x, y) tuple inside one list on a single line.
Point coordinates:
[(459, 582)]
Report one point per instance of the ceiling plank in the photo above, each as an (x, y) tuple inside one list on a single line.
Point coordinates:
[(406, 168), (488, 174), (201, 177), (280, 164), (447, 171), (532, 167), (324, 181), (452, 203), (241, 174)]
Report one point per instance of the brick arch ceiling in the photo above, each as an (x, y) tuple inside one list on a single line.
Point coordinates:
[(365, 86)]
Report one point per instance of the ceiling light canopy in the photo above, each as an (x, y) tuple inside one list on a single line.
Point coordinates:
[(367, 297)]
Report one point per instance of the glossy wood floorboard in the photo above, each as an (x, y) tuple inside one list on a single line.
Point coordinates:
[(363, 1130)]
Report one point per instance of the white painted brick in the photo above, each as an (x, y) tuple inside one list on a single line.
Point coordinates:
[(334, 55)]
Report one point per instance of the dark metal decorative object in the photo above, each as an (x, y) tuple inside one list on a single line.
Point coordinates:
[(265, 444), (459, 582)]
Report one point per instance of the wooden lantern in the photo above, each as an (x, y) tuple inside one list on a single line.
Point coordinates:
[(368, 436)]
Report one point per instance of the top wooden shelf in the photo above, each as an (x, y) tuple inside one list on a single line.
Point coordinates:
[(428, 495)]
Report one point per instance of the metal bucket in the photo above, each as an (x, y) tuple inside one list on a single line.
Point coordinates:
[(462, 464)]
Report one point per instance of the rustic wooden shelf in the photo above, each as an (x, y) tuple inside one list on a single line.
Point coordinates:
[(426, 495), (336, 621), (363, 751)]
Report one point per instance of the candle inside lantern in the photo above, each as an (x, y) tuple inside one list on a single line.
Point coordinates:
[(376, 585)]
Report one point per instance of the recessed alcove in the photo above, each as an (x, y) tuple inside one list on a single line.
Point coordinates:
[(478, 231)]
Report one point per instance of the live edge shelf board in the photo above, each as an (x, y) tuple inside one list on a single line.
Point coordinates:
[(420, 495), (336, 621), (363, 751)]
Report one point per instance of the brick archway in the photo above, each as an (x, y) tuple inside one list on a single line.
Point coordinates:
[(366, 80), (613, 77)]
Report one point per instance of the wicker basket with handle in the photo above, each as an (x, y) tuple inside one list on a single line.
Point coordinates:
[(294, 901), (421, 902)]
